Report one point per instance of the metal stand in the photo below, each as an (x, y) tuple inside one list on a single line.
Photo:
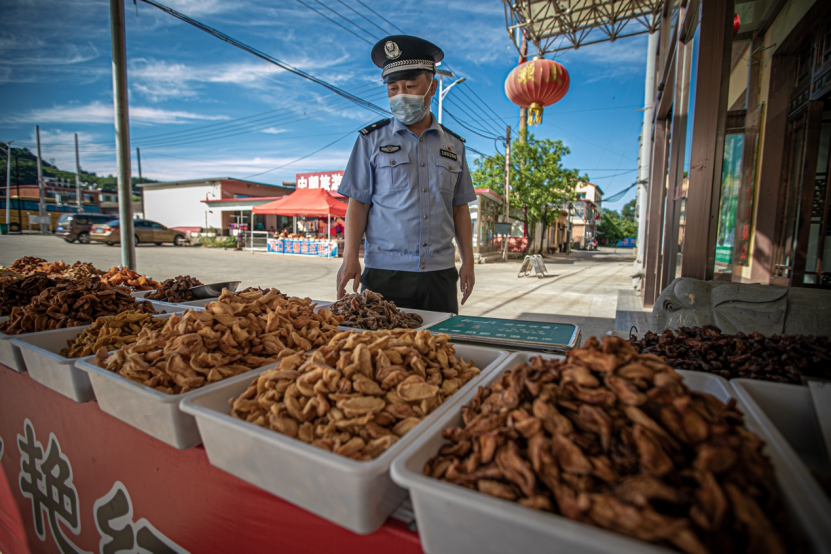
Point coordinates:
[(537, 263)]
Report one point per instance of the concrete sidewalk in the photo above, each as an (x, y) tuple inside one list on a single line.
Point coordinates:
[(581, 288)]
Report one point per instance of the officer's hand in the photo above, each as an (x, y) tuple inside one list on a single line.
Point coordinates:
[(466, 281), (350, 269)]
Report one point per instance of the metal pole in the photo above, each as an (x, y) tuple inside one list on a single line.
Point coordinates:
[(41, 192), (77, 175), (441, 95), (506, 213), (8, 182), (646, 145), (17, 185), (122, 133), (328, 234)]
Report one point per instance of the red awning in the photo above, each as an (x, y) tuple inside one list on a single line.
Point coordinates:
[(304, 202)]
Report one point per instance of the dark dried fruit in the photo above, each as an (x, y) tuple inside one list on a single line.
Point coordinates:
[(175, 290), (369, 310)]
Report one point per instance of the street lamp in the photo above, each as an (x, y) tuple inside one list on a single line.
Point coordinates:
[(442, 73)]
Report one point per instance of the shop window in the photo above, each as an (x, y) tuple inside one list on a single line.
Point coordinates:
[(731, 176)]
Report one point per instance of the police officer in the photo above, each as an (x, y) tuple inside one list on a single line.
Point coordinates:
[(408, 186)]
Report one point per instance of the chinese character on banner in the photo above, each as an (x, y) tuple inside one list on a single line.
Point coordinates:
[(302, 183), (296, 248), (114, 520), (304, 248), (336, 179), (46, 480), (314, 182), (325, 182)]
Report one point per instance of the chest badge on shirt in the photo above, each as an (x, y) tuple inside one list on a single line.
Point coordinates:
[(390, 148), (448, 154)]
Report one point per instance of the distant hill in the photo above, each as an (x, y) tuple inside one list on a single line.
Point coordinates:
[(28, 171)]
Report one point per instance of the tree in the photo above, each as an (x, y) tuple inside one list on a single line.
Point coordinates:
[(613, 227), (540, 185), (628, 210)]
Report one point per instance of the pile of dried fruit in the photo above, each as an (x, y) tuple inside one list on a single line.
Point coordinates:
[(358, 394), (784, 358), (612, 438), (231, 336), (369, 310), (111, 332), (71, 304), (26, 265), (79, 271), (19, 292), (175, 290), (127, 277)]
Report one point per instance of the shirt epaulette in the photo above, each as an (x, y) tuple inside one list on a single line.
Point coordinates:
[(375, 126), (451, 132)]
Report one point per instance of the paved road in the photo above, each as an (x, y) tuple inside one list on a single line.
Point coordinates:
[(581, 289)]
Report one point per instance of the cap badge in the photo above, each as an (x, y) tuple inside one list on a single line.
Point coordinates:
[(391, 49)]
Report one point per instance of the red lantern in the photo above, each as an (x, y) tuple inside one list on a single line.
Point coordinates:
[(737, 24), (535, 85)]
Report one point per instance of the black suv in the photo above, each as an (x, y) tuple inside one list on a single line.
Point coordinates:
[(72, 227)]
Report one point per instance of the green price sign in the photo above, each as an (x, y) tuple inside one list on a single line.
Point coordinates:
[(513, 333)]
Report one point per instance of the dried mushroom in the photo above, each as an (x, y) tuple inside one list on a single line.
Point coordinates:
[(357, 395), (780, 358), (175, 290), (231, 336), (615, 439), (128, 278), (71, 304), (19, 292), (369, 310), (111, 332)]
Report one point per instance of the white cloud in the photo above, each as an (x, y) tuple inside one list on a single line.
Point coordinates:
[(274, 131), (96, 112)]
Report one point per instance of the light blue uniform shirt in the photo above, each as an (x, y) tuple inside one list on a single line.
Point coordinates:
[(411, 184)]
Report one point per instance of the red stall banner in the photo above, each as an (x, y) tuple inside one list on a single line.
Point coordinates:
[(326, 180), (76, 480)]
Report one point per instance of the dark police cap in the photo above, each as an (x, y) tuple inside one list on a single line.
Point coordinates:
[(405, 57)]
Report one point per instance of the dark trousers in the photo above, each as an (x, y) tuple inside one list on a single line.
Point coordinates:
[(433, 291)]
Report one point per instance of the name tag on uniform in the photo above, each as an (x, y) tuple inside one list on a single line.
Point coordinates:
[(449, 154), (389, 149)]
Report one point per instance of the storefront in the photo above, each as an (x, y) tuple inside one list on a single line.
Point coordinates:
[(484, 214), (740, 145)]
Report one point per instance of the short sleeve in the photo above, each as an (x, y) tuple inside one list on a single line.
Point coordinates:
[(357, 179), (464, 193)]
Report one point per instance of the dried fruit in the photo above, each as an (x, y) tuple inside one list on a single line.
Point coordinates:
[(369, 310), (659, 462), (69, 305), (128, 278), (19, 292), (111, 332), (349, 397), (175, 290), (780, 358), (231, 336)]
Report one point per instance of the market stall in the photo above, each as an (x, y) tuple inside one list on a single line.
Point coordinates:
[(339, 412), (306, 203)]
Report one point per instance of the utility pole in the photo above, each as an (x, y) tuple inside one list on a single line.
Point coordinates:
[(17, 184), (645, 155), (141, 180), (506, 214), (138, 157), (77, 175), (42, 192), (8, 182), (122, 134)]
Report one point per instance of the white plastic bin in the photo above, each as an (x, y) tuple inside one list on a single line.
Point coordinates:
[(147, 409), (46, 366), (356, 495), (784, 416), (457, 520), (9, 352)]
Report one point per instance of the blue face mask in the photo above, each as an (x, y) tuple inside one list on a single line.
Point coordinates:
[(408, 108)]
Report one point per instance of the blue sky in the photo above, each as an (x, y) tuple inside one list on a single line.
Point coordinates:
[(189, 91)]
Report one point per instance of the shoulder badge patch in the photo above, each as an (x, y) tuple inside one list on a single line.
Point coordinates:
[(390, 148), (375, 126), (449, 154), (451, 133)]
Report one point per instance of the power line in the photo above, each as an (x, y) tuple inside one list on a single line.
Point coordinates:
[(310, 154), (346, 19), (271, 59), (481, 128), (382, 17), (362, 16), (321, 14)]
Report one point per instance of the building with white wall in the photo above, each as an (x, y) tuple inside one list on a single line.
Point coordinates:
[(586, 214), (207, 203)]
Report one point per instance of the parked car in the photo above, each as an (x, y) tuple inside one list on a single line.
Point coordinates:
[(144, 231), (72, 227)]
